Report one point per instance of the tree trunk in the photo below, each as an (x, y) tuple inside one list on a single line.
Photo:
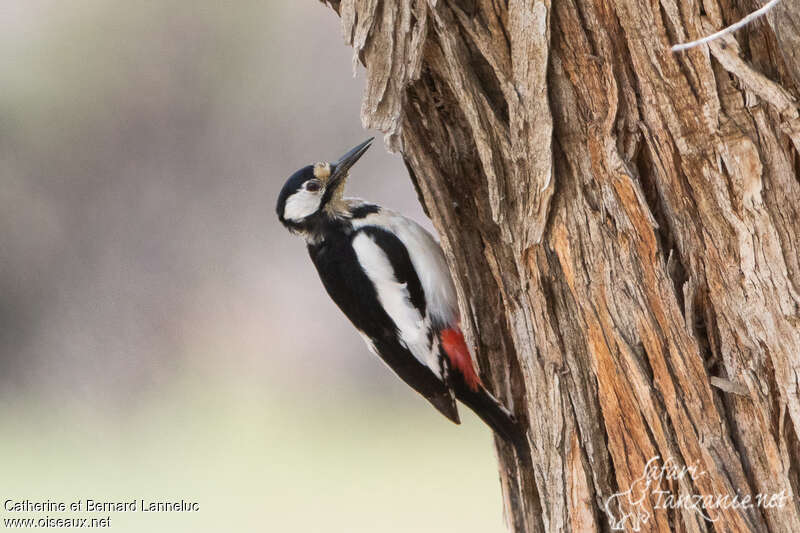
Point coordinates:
[(623, 225)]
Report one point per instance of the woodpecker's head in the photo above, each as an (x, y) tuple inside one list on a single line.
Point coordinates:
[(314, 193)]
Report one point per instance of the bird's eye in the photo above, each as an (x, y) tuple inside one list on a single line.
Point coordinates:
[(313, 186)]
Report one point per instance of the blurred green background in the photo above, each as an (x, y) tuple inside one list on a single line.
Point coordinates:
[(161, 336)]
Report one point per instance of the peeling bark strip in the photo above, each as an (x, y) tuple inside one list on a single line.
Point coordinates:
[(623, 224)]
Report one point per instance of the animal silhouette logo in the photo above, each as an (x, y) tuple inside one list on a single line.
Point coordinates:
[(626, 509)]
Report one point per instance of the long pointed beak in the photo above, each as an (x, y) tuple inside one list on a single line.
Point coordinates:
[(341, 167)]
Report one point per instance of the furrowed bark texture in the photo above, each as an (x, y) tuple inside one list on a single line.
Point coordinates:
[(623, 224)]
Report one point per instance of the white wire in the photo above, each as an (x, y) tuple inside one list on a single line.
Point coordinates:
[(733, 27)]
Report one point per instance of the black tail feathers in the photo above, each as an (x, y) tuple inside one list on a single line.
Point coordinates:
[(497, 417)]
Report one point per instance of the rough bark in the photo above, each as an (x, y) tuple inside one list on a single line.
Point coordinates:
[(623, 224)]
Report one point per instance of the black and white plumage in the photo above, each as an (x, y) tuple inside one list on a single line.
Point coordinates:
[(390, 277)]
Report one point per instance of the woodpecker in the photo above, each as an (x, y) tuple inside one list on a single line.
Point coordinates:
[(389, 277)]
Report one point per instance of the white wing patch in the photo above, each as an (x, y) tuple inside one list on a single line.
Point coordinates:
[(394, 297), (428, 261)]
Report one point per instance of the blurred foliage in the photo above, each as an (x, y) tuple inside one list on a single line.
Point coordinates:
[(160, 333), (256, 462)]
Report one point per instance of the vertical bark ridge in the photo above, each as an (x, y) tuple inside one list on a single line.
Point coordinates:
[(622, 223)]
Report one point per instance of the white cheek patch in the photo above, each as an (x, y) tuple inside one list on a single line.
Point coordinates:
[(302, 204)]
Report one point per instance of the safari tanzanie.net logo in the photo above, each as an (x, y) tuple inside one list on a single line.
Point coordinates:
[(627, 510)]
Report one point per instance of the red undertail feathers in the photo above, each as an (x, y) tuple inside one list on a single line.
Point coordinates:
[(458, 353)]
